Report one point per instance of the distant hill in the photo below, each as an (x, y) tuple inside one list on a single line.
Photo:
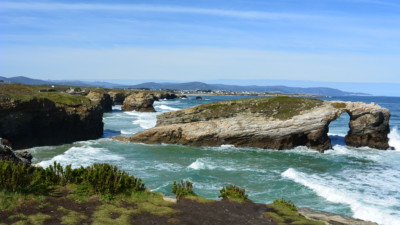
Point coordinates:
[(252, 88), (30, 81), (189, 86)]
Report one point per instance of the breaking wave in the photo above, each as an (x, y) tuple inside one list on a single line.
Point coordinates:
[(394, 139), (83, 156), (372, 208)]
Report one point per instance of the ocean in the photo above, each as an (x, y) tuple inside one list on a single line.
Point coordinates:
[(360, 182)]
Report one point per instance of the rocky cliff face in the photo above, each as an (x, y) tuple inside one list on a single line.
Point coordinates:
[(103, 99), (270, 123), (41, 121), (142, 102)]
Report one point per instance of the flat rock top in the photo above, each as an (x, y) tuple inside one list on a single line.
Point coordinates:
[(281, 108)]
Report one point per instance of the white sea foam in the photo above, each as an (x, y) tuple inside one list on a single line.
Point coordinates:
[(210, 164), (201, 164), (127, 132), (83, 156), (371, 208), (394, 139), (336, 134), (165, 108), (145, 120)]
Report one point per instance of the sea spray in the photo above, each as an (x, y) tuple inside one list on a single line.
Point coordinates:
[(394, 139), (82, 156)]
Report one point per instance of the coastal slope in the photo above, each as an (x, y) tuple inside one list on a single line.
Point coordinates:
[(269, 123)]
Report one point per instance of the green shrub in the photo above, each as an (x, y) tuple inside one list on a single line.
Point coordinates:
[(183, 189), (99, 178), (232, 192), (288, 204)]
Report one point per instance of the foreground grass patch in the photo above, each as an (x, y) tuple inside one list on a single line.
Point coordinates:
[(286, 213), (36, 219)]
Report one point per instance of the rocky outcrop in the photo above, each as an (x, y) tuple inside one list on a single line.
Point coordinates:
[(117, 97), (270, 123), (103, 99), (164, 95), (141, 102), (43, 121), (6, 153)]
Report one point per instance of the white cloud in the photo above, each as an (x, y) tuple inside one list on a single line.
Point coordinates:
[(150, 8)]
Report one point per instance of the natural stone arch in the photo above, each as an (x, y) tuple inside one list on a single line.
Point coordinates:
[(259, 123)]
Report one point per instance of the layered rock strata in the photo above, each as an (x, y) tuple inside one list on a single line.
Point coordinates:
[(41, 121), (270, 123)]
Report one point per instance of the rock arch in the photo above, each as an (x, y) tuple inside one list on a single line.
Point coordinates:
[(270, 123)]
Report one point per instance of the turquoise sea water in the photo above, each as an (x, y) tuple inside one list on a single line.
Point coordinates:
[(359, 182)]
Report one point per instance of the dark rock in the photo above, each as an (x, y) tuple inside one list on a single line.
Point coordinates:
[(40, 121), (117, 97), (6, 153), (199, 98)]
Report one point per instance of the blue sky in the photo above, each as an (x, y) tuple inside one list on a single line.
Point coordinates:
[(316, 40)]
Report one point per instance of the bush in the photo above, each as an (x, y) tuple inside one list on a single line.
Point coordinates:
[(100, 178), (183, 189), (232, 192), (287, 204)]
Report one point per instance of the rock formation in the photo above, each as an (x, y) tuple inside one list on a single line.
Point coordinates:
[(29, 118), (6, 153), (142, 102), (270, 123), (101, 98), (117, 97)]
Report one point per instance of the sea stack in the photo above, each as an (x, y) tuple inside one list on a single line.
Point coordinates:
[(141, 102), (269, 123)]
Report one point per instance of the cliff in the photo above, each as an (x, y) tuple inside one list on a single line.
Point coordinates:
[(30, 118), (270, 123)]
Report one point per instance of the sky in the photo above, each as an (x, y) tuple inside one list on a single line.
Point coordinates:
[(195, 40)]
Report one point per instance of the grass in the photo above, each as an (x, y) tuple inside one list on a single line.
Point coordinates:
[(25, 93), (71, 217), (200, 199), (36, 219), (281, 107), (286, 213), (339, 105)]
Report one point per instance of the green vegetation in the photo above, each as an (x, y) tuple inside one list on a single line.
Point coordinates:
[(183, 189), (282, 107), (103, 194), (95, 179), (24, 93), (285, 212), (234, 193), (340, 105)]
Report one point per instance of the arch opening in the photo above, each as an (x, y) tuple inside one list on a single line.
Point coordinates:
[(338, 129)]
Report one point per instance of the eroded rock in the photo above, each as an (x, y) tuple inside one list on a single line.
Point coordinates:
[(103, 99), (270, 123), (141, 102), (41, 121)]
